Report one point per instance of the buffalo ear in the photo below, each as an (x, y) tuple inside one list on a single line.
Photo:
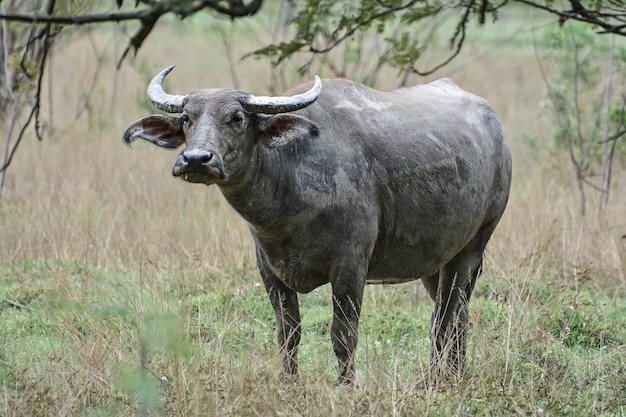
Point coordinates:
[(163, 131), (280, 129)]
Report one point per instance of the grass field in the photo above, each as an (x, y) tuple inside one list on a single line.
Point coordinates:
[(126, 292)]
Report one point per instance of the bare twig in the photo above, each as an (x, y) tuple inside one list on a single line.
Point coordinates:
[(18, 305), (34, 114), (227, 42), (458, 38), (14, 114), (578, 162), (606, 165), (614, 138)]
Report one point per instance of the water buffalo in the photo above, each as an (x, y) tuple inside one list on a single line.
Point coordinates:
[(349, 186)]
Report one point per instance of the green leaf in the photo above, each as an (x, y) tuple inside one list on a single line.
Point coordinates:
[(278, 53), (418, 13)]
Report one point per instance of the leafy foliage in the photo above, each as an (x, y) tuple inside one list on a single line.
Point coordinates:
[(584, 78), (320, 26)]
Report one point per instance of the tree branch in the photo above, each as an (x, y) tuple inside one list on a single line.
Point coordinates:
[(235, 9), (612, 22), (77, 20), (389, 11)]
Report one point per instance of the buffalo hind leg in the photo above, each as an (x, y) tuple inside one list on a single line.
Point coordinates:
[(285, 303), (451, 289)]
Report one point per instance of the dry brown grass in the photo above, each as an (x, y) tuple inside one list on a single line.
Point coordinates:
[(82, 197), (81, 194)]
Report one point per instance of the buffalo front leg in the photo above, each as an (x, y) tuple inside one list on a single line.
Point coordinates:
[(285, 303), (347, 298)]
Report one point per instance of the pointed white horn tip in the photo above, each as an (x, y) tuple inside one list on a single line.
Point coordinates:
[(168, 70), (161, 75), (317, 84), (162, 100)]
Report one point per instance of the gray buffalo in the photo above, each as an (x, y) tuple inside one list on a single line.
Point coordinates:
[(350, 186)]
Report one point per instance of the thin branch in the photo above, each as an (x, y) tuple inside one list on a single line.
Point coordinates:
[(616, 136), (365, 23), (606, 163), (19, 139), (460, 34), (14, 114), (34, 113), (581, 14), (149, 18), (598, 188), (18, 305), (147, 24), (227, 39), (577, 113)]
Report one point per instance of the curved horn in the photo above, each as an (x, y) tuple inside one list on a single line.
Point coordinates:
[(161, 100), (273, 105)]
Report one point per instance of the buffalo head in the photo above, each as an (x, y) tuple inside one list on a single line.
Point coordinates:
[(221, 128)]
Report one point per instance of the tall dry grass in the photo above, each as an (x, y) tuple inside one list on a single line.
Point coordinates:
[(81, 194)]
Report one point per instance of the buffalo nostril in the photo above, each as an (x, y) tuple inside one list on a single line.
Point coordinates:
[(204, 159)]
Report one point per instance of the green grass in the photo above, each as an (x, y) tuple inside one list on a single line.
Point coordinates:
[(87, 341)]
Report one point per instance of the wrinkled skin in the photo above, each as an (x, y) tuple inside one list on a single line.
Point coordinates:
[(359, 187)]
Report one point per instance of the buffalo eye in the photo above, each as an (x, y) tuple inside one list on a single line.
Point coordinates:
[(237, 119), (184, 118)]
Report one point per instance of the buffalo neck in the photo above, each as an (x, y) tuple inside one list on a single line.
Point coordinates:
[(259, 195)]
